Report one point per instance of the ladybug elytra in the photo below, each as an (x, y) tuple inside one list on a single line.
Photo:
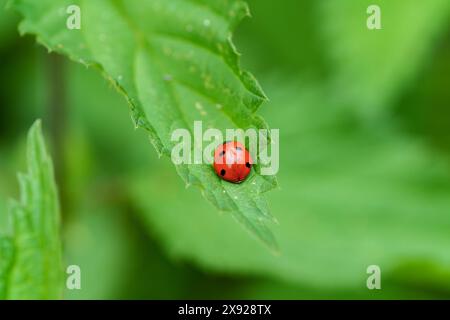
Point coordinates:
[(232, 162)]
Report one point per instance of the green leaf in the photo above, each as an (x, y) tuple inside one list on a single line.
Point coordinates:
[(6, 258), (175, 63), (371, 66), (30, 259)]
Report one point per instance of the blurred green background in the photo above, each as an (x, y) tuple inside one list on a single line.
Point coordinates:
[(364, 118)]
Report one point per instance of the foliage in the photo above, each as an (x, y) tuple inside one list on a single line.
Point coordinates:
[(364, 174), (168, 58), (30, 259)]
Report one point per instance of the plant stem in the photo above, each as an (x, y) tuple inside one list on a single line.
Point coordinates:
[(57, 110)]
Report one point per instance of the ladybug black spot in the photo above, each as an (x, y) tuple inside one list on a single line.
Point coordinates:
[(222, 153), (248, 165), (222, 172)]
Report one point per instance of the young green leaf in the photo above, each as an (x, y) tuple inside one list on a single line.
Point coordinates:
[(175, 63), (30, 259)]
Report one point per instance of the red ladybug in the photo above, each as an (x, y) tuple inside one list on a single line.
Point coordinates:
[(232, 162)]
